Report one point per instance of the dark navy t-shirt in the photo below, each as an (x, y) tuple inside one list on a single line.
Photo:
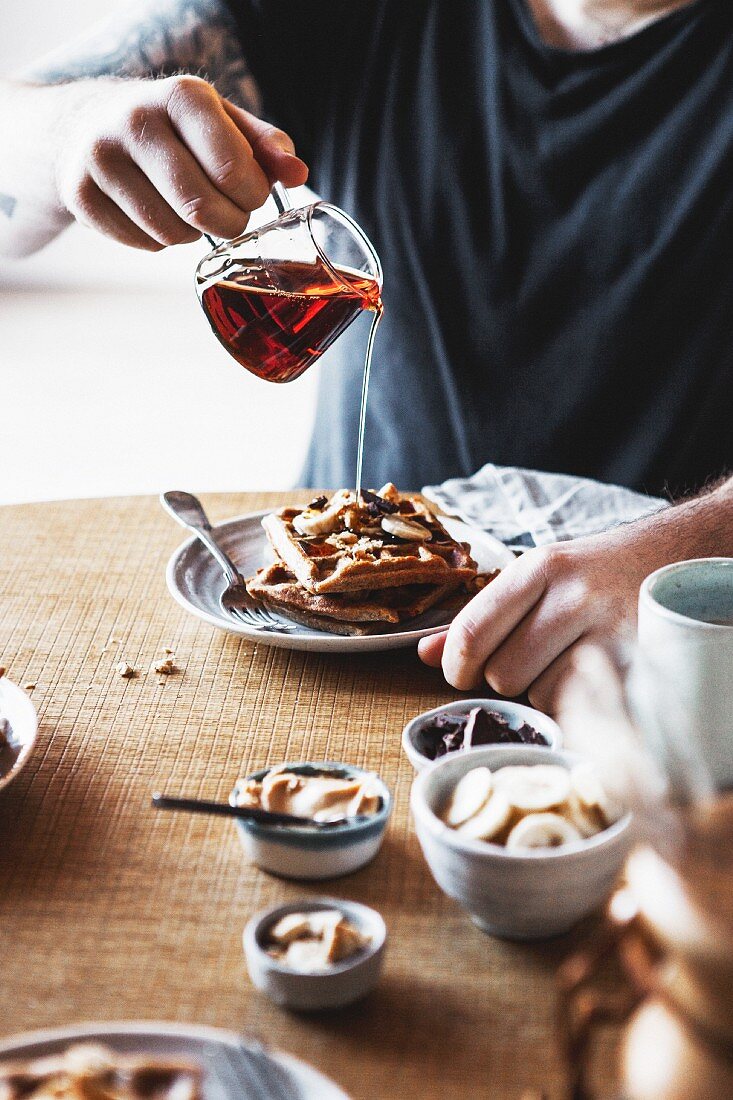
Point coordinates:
[(556, 231)]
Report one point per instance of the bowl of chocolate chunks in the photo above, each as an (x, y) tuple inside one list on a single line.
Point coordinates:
[(474, 723)]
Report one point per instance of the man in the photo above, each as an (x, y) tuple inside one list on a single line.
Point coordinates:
[(547, 182)]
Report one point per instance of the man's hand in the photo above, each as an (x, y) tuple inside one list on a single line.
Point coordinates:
[(158, 162), (108, 130), (520, 633)]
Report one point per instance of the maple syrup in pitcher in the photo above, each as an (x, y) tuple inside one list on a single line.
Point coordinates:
[(277, 318)]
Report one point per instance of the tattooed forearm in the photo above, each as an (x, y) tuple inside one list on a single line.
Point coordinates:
[(158, 38)]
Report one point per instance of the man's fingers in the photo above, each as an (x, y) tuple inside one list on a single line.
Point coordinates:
[(543, 634), (430, 649), (221, 149), (177, 176), (124, 183), (93, 208), (546, 691), (273, 149), (489, 618)]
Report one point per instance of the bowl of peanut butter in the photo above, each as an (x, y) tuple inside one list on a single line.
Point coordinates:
[(321, 792)]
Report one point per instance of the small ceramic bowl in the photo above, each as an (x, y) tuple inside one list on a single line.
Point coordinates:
[(18, 710), (305, 853), (516, 713), (524, 896), (341, 984)]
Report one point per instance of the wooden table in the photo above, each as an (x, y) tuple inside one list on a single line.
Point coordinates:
[(110, 910)]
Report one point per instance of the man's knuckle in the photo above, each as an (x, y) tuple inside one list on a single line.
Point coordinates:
[(187, 91), (101, 151), (553, 560), (230, 174), (273, 134), (196, 209)]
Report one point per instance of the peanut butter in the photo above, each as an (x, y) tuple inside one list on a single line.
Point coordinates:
[(319, 796)]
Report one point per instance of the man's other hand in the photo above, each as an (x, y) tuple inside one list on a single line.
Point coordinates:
[(520, 633)]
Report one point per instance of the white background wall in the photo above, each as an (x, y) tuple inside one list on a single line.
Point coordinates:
[(110, 380)]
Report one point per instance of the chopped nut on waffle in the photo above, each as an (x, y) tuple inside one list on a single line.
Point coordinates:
[(382, 541)]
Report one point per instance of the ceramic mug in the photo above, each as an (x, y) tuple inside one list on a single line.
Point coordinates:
[(686, 639)]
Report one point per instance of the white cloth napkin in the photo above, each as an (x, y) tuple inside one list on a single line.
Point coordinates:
[(525, 508)]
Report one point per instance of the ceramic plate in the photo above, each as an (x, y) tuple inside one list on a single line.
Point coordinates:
[(201, 1044), (196, 582), (17, 709)]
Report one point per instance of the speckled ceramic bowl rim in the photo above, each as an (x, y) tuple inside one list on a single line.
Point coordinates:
[(649, 597), (364, 916), (578, 850), (344, 836), (457, 706)]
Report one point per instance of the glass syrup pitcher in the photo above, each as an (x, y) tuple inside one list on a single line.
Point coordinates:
[(278, 296)]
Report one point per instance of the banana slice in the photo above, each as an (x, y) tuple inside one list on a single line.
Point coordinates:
[(591, 795), (389, 492), (312, 522), (541, 831), (403, 528), (534, 787), (470, 794), (588, 822), (489, 821)]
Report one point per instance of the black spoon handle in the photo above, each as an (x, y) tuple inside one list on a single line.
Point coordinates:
[(245, 813), (250, 813)]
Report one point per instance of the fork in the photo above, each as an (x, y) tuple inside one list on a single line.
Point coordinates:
[(248, 1071), (235, 600)]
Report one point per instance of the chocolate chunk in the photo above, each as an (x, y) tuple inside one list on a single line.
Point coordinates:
[(449, 742), (318, 503), (444, 730), (377, 505), (528, 735)]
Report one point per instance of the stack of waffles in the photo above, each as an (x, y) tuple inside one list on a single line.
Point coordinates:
[(360, 567), (87, 1071)]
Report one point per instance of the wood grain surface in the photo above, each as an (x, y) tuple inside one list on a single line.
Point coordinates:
[(110, 910)]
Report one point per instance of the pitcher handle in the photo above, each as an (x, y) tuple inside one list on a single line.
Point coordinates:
[(281, 198)]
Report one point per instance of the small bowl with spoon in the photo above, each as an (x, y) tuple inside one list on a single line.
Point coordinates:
[(335, 842)]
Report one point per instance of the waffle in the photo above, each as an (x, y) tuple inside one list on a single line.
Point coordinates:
[(360, 568), (366, 611), (387, 540), (89, 1071)]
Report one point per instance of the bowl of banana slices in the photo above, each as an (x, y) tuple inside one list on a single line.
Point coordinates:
[(524, 838)]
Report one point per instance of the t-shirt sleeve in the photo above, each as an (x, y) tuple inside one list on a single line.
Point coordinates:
[(301, 53)]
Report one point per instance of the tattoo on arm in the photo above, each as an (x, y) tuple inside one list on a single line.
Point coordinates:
[(158, 38)]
